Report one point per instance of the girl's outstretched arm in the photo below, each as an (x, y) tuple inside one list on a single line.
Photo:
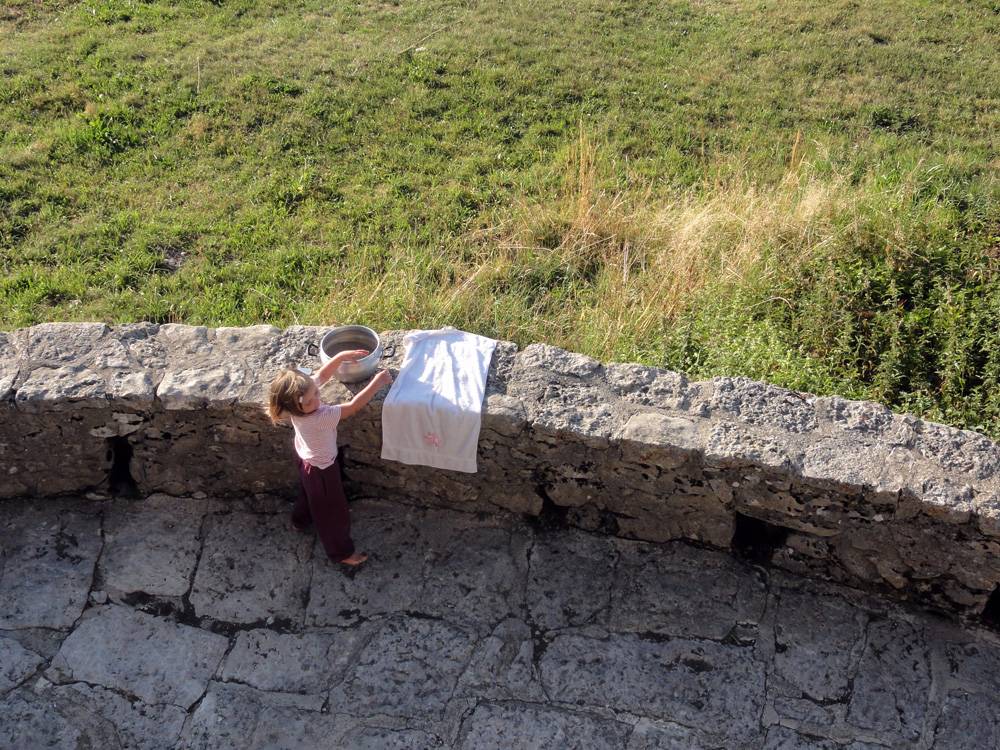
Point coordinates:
[(366, 394), (326, 371)]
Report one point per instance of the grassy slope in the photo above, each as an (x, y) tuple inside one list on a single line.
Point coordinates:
[(413, 164)]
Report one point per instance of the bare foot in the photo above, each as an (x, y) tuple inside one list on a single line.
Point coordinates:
[(356, 559)]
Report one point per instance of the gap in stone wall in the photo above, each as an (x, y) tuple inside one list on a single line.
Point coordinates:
[(757, 540), (991, 612), (551, 516), (120, 480)]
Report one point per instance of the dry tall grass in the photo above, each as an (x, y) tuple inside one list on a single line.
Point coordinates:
[(641, 260), (609, 271)]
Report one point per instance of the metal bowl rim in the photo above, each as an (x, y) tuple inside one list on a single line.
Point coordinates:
[(371, 357)]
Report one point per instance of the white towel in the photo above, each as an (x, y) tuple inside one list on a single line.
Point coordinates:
[(432, 414)]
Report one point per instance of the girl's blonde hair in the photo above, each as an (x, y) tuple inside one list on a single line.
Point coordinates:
[(288, 389)]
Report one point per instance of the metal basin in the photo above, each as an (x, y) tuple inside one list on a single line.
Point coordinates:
[(348, 338)]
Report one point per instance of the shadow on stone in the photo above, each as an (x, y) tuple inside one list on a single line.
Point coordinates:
[(552, 517), (120, 481), (757, 540), (991, 612)]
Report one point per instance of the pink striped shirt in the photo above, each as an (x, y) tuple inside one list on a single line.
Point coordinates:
[(316, 436)]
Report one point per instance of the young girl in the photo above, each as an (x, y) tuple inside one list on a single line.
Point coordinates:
[(321, 500)]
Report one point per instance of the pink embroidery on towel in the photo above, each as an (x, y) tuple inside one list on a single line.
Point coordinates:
[(432, 439)]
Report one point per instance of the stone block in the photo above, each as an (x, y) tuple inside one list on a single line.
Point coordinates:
[(651, 436), (574, 413), (184, 343), (569, 579), (692, 682), (67, 387), (140, 339), (48, 566), (867, 420), (32, 443), (385, 738), (202, 387), (841, 465), (475, 574), (986, 512), (252, 568), (152, 546), (648, 386), (237, 717), (136, 389), (33, 721), (10, 366), (512, 725), (558, 361), (946, 501), (87, 384), (409, 669), (764, 404), (504, 415), (16, 664), (814, 639), (958, 451), (892, 683), (502, 666), (679, 511), (786, 703), (515, 497), (222, 452), (304, 663), (731, 444), (663, 735), (975, 665), (968, 722), (56, 344), (782, 738), (674, 591), (166, 664), (137, 724)]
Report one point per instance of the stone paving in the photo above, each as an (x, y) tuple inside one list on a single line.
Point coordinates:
[(193, 623)]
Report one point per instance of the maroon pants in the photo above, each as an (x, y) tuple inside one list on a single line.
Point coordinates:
[(322, 501)]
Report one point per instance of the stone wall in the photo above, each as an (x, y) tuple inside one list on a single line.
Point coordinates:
[(822, 486)]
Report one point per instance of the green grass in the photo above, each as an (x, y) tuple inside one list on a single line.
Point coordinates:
[(800, 191)]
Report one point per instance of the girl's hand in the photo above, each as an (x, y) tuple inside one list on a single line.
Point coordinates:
[(352, 356), (382, 378), (327, 370)]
